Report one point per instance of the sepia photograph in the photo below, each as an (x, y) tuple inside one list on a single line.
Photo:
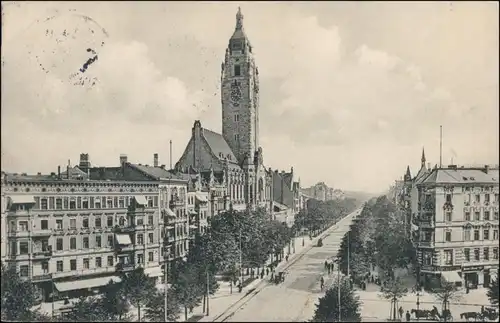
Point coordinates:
[(249, 161)]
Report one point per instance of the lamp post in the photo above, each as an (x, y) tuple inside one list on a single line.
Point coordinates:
[(241, 264), (53, 293), (338, 290), (418, 304)]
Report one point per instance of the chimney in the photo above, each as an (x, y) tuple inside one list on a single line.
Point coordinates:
[(155, 160), (291, 170), (59, 172), (67, 172), (486, 168), (39, 174), (123, 159), (428, 165), (452, 167), (163, 166)]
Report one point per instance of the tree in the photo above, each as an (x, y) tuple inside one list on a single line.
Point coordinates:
[(393, 291), (492, 291), (200, 258), (138, 288), (18, 297), (327, 310), (155, 308), (86, 309), (446, 293), (114, 301), (231, 276), (186, 286)]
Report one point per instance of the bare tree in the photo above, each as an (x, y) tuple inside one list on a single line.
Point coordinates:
[(393, 291), (445, 293)]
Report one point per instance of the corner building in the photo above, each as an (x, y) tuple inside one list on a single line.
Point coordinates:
[(457, 218), (235, 153)]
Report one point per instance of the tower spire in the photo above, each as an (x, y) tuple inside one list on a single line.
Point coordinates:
[(239, 20), (423, 157)]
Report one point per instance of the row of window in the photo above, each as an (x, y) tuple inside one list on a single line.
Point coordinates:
[(88, 202), (477, 230), (24, 269), (448, 216), (448, 255), (85, 243), (85, 224), (477, 252)]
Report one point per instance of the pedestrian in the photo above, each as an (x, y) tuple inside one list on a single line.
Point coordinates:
[(322, 282), (286, 258), (328, 268), (408, 316), (401, 312), (326, 264), (262, 274), (267, 271)]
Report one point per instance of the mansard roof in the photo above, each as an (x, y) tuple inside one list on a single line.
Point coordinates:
[(219, 145)]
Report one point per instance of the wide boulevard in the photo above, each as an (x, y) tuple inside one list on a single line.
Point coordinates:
[(293, 300)]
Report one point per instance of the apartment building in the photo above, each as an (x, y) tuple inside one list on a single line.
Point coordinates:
[(75, 231), (457, 219), (74, 236)]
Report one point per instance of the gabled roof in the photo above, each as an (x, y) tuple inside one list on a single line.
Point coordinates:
[(218, 145), (74, 172), (288, 177)]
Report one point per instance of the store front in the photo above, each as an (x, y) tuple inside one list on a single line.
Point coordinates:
[(473, 276)]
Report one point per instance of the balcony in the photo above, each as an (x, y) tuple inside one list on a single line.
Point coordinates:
[(42, 233), (176, 203), (121, 267), (127, 229), (426, 244), (448, 206), (41, 278), (39, 255)]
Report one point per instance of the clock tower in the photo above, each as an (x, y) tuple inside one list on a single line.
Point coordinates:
[(240, 96)]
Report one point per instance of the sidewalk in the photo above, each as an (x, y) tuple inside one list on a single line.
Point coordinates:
[(218, 308), (222, 299)]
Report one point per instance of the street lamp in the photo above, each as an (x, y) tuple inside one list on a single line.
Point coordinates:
[(418, 305)]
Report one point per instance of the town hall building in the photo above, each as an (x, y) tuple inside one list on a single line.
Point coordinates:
[(235, 155)]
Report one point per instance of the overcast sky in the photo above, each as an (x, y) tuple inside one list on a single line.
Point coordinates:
[(350, 92)]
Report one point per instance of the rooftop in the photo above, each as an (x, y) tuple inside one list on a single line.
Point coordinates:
[(462, 176)]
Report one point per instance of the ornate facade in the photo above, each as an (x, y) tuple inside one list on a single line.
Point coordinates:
[(78, 232), (456, 223), (235, 153)]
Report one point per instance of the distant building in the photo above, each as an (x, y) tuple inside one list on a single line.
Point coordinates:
[(322, 192), (455, 214)]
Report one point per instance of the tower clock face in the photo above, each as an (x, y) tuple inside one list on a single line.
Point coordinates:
[(235, 93)]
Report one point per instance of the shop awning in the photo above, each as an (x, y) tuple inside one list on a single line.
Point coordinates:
[(201, 198), (451, 276), (153, 271), (141, 200), (192, 212), (192, 226), (123, 239), (22, 199), (85, 283), (169, 227)]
